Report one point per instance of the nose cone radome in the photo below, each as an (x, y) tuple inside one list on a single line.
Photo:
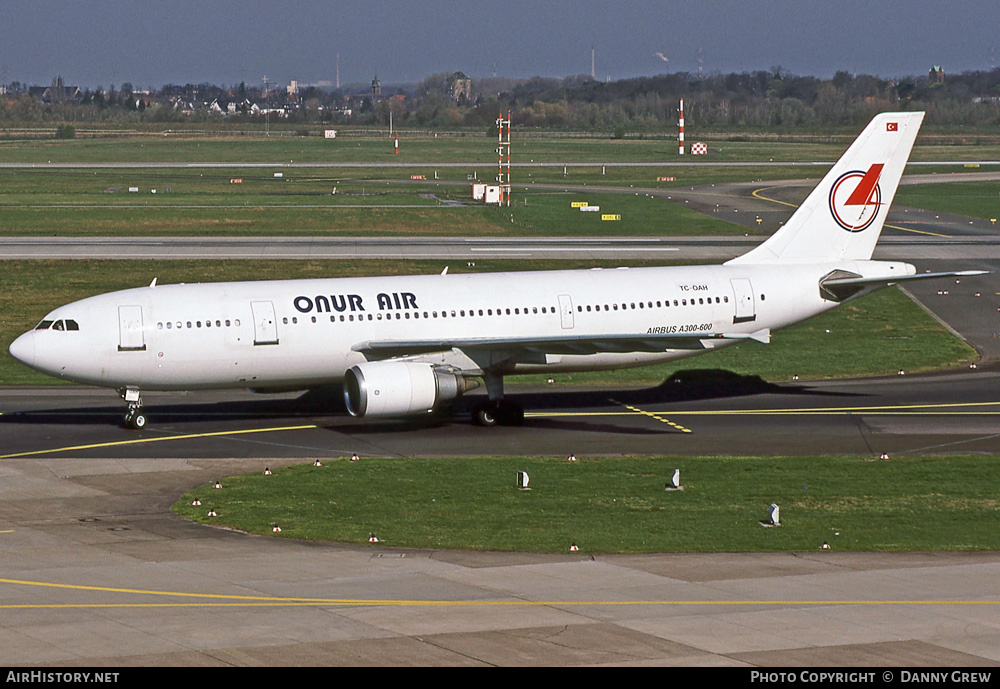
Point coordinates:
[(23, 349)]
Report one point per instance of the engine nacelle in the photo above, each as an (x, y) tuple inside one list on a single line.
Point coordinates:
[(397, 388)]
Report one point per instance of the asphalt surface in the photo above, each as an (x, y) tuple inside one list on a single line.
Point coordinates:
[(709, 413), (97, 571)]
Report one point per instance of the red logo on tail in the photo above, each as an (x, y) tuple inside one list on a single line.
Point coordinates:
[(855, 198)]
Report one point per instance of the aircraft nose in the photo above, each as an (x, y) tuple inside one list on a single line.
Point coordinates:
[(23, 348)]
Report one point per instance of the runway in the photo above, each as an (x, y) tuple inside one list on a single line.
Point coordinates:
[(98, 572), (679, 249)]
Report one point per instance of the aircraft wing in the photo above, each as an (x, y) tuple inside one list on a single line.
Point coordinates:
[(563, 344)]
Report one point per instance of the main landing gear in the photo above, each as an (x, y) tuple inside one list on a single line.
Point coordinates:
[(134, 419), (497, 411)]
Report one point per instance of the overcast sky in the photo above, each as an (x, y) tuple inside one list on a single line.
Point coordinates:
[(151, 43)]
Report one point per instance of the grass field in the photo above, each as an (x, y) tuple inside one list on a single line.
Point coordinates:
[(385, 200), (349, 146), (618, 504), (202, 202), (878, 334)]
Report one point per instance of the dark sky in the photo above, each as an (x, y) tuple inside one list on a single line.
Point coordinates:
[(150, 43)]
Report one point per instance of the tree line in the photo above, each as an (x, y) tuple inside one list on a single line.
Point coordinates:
[(769, 100)]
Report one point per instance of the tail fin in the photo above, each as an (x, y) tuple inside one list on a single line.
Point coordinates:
[(843, 216)]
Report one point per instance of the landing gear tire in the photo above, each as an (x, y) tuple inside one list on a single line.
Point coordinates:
[(135, 420), (485, 415), (502, 413)]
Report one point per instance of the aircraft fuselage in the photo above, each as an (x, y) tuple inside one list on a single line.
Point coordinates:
[(303, 333)]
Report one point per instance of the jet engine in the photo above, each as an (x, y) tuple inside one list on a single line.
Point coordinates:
[(397, 388)]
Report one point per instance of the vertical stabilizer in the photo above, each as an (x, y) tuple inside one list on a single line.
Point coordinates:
[(843, 216)]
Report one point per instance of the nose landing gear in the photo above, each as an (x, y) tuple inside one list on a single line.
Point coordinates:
[(134, 419)]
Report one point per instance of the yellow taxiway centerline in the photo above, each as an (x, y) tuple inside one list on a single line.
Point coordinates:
[(159, 439), (757, 195), (229, 600), (893, 409)]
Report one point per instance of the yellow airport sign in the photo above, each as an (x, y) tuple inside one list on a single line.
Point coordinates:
[(610, 216), (578, 204)]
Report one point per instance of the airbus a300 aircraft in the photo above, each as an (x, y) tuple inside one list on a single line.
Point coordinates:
[(406, 345)]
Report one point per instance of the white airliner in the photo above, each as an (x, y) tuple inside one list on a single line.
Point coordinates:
[(407, 344)]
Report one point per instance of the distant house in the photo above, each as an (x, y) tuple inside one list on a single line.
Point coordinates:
[(459, 87), (935, 75), (183, 105), (263, 109), (58, 92), (228, 107)]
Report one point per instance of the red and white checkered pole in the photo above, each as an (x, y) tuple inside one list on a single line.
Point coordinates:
[(500, 155), (680, 130), (508, 159), (503, 146)]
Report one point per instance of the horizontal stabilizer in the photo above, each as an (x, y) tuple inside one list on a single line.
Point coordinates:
[(841, 288), (762, 336)]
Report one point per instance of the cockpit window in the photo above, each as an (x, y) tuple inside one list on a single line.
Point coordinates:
[(67, 324)]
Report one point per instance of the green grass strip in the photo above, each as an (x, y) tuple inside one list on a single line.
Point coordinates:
[(618, 504)]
